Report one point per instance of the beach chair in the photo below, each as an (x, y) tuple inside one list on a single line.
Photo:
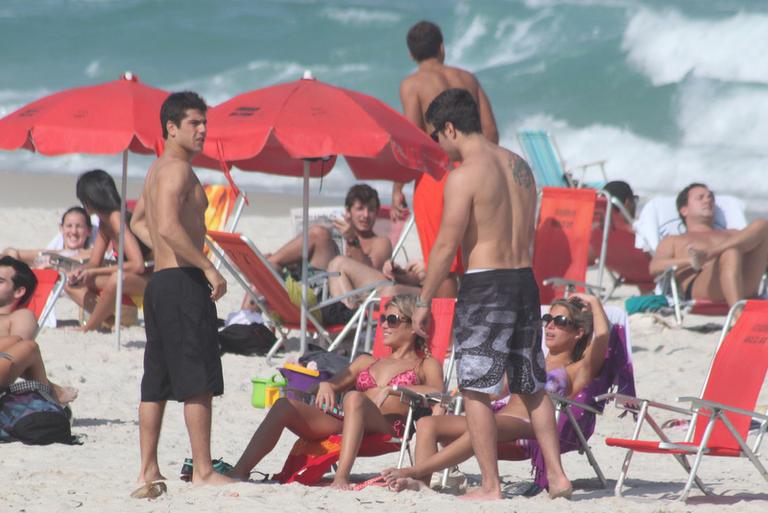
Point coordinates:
[(624, 263), (310, 460), (721, 417), (50, 284), (660, 218), (252, 269), (562, 239), (548, 166)]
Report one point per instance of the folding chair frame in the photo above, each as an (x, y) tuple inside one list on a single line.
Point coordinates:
[(50, 303), (714, 411), (555, 158)]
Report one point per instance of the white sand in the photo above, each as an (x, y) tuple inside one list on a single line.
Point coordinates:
[(99, 475)]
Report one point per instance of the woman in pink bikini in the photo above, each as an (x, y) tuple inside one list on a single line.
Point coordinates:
[(576, 333), (367, 406)]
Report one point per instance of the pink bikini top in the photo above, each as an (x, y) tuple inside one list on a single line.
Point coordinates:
[(366, 381)]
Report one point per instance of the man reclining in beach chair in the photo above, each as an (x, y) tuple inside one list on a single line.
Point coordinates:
[(19, 354), (579, 364), (362, 244), (367, 405), (710, 263)]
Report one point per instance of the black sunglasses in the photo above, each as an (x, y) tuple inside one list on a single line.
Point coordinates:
[(561, 321), (394, 320), (435, 135)]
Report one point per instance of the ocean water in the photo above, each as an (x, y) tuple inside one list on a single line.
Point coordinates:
[(667, 91)]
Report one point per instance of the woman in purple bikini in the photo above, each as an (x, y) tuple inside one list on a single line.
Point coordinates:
[(572, 363), (367, 406)]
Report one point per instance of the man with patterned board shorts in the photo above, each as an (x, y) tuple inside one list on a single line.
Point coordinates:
[(433, 76), (490, 205)]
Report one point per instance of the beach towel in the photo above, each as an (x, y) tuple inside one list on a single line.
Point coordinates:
[(428, 212)]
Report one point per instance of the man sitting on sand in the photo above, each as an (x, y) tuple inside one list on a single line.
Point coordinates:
[(719, 265), (19, 354)]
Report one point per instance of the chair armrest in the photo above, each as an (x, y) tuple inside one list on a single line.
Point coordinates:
[(626, 402), (569, 402), (697, 402), (355, 292), (320, 277), (409, 396), (585, 165), (558, 282)]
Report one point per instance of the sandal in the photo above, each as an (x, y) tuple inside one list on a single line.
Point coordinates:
[(219, 465), (151, 490)]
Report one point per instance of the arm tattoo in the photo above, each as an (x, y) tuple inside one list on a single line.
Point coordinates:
[(521, 172)]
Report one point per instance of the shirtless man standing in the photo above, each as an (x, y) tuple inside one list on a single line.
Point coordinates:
[(425, 43), (181, 359), (719, 265), (490, 205)]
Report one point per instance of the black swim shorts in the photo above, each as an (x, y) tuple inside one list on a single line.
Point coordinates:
[(497, 331), (181, 359)]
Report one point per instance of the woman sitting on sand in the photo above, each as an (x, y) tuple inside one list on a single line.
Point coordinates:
[(21, 359), (75, 230), (572, 363), (367, 406), (94, 286)]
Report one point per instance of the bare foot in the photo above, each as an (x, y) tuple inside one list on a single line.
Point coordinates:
[(698, 258), (407, 483), (341, 483), (559, 487), (64, 395), (150, 475), (479, 494), (212, 479), (392, 474)]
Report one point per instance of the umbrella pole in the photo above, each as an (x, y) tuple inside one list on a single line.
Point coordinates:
[(304, 258), (120, 253)]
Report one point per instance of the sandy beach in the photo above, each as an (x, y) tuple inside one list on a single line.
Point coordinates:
[(99, 475)]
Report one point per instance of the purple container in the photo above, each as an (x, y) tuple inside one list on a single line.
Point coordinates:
[(298, 380)]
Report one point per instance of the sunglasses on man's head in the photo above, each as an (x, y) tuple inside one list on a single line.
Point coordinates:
[(394, 320), (561, 321)]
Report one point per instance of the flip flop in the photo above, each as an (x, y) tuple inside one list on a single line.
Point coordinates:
[(151, 490), (374, 481)]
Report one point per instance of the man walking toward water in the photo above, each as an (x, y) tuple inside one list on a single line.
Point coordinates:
[(490, 204), (425, 44), (181, 359)]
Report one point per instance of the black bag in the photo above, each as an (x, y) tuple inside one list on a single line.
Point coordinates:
[(246, 339), (33, 417), (328, 362)]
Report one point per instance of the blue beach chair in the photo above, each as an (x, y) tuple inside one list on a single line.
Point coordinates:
[(543, 155)]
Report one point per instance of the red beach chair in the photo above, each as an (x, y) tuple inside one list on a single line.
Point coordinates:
[(50, 284), (720, 419), (251, 268), (561, 245), (310, 460)]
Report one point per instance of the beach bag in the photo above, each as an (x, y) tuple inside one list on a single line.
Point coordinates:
[(29, 414), (246, 339), (325, 361)]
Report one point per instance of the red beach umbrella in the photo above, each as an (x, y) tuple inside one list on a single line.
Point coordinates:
[(114, 117), (299, 128)]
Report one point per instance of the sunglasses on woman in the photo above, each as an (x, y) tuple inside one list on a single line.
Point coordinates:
[(394, 320), (561, 321)]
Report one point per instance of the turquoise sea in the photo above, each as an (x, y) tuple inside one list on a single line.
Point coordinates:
[(668, 91)]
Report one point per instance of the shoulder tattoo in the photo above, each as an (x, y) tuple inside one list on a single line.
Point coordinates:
[(521, 172)]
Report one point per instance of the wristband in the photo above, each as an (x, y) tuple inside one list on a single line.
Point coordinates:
[(422, 304)]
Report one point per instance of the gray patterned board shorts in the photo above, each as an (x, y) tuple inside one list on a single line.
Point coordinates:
[(497, 331)]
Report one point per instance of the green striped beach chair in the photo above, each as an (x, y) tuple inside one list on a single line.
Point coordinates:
[(543, 155)]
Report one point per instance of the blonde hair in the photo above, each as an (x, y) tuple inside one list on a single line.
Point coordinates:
[(406, 303), (581, 314)]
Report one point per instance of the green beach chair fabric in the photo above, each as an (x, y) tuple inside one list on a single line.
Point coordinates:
[(543, 156)]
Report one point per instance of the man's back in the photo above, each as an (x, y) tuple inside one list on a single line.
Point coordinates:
[(432, 78), (501, 191)]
